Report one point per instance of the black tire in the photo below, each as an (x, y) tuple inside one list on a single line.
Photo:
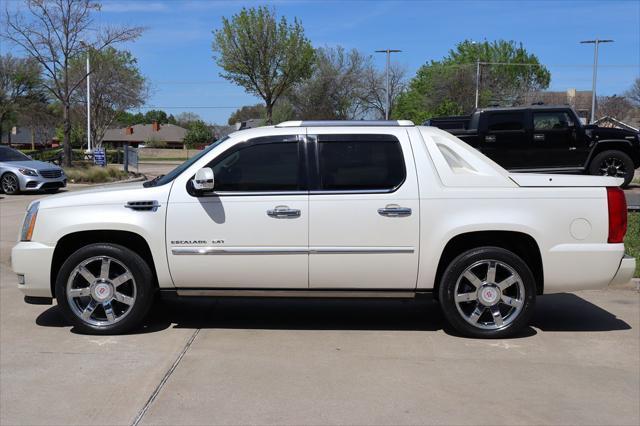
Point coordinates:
[(607, 162), (138, 290), (522, 293), (10, 184)]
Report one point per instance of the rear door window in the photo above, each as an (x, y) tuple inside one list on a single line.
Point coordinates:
[(505, 121), (360, 162)]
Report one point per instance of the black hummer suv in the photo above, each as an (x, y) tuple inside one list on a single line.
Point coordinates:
[(549, 139)]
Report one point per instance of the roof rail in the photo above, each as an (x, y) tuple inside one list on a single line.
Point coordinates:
[(348, 123)]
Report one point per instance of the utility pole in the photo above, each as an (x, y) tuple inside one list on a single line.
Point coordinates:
[(477, 81), (595, 42), (88, 103), (388, 52)]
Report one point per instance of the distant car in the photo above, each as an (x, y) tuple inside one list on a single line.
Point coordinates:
[(19, 173), (546, 139)]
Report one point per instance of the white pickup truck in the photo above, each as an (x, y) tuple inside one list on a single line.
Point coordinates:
[(327, 209)]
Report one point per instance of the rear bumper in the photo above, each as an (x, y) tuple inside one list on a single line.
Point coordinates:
[(571, 267), (33, 261), (625, 271)]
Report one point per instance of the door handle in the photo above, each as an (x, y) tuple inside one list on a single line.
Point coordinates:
[(393, 210), (283, 212), (572, 148), (538, 137), (490, 138)]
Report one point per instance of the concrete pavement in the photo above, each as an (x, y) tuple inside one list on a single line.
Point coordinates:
[(322, 362)]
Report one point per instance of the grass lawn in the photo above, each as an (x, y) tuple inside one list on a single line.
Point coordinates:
[(632, 240), (94, 174)]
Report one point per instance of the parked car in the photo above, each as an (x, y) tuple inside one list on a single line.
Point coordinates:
[(546, 139), (20, 173), (327, 209)]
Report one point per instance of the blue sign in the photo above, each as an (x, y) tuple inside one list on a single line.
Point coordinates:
[(99, 157)]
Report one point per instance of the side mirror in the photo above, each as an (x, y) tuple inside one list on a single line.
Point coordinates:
[(203, 181)]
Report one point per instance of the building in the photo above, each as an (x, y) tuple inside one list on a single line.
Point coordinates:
[(160, 135), (37, 137), (579, 100)]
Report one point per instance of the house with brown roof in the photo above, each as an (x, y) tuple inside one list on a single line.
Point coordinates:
[(169, 135)]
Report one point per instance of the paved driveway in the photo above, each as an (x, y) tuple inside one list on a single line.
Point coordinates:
[(320, 362)]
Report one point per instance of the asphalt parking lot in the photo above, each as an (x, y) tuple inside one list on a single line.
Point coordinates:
[(317, 362)]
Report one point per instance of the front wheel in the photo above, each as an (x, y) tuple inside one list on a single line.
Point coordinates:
[(9, 183), (104, 289), (613, 163), (487, 292)]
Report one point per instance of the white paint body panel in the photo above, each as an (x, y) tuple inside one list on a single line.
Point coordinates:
[(451, 188)]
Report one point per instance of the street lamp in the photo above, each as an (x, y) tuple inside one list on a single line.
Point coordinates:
[(388, 52), (88, 49), (595, 42)]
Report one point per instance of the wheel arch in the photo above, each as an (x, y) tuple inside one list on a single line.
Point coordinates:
[(614, 145), (72, 242), (520, 243)]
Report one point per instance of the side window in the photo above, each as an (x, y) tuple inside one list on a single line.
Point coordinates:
[(360, 162), (259, 166), (502, 121), (551, 121)]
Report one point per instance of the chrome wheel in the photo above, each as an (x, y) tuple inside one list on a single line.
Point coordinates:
[(612, 166), (9, 183), (489, 294), (101, 291)]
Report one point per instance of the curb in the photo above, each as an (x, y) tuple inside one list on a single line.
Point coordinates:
[(136, 179)]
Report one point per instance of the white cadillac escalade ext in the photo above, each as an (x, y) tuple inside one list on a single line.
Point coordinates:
[(328, 209)]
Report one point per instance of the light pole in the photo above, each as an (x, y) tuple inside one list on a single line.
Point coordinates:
[(477, 81), (388, 52), (595, 42), (88, 49)]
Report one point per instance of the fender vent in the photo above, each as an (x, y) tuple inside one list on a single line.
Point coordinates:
[(143, 205)]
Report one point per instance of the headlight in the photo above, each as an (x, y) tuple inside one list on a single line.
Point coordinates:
[(28, 172), (29, 222)]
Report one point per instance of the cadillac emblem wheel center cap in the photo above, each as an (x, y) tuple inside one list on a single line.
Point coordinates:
[(102, 291), (489, 295)]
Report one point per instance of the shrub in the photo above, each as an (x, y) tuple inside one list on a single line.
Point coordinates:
[(86, 173)]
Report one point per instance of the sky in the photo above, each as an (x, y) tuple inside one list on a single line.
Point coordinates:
[(175, 53)]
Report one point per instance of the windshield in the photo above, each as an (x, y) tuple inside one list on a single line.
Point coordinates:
[(162, 179), (9, 154)]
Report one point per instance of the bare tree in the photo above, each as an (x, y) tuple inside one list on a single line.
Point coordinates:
[(335, 88), (19, 84), (116, 85), (633, 94), (374, 96), (54, 32), (613, 106)]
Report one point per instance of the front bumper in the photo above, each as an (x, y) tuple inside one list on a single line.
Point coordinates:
[(625, 271), (33, 261), (39, 183)]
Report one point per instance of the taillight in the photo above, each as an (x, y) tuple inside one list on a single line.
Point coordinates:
[(617, 214)]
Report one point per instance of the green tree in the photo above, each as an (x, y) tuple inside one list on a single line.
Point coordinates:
[(116, 85), (247, 112), (448, 86), (19, 87), (53, 33), (262, 54), (198, 134), (156, 115)]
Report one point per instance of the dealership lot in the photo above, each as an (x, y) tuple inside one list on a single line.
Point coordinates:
[(321, 362)]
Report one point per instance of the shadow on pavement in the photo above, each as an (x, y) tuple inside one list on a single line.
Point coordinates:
[(568, 312), (559, 312)]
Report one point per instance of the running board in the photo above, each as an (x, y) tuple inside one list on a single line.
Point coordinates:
[(206, 292)]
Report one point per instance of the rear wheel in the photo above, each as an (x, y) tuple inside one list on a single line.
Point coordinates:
[(104, 289), (613, 163), (10, 184), (487, 292)]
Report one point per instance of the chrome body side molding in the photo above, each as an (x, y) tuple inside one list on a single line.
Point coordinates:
[(179, 251)]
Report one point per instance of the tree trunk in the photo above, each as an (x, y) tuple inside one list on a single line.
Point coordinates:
[(269, 107), (66, 126)]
